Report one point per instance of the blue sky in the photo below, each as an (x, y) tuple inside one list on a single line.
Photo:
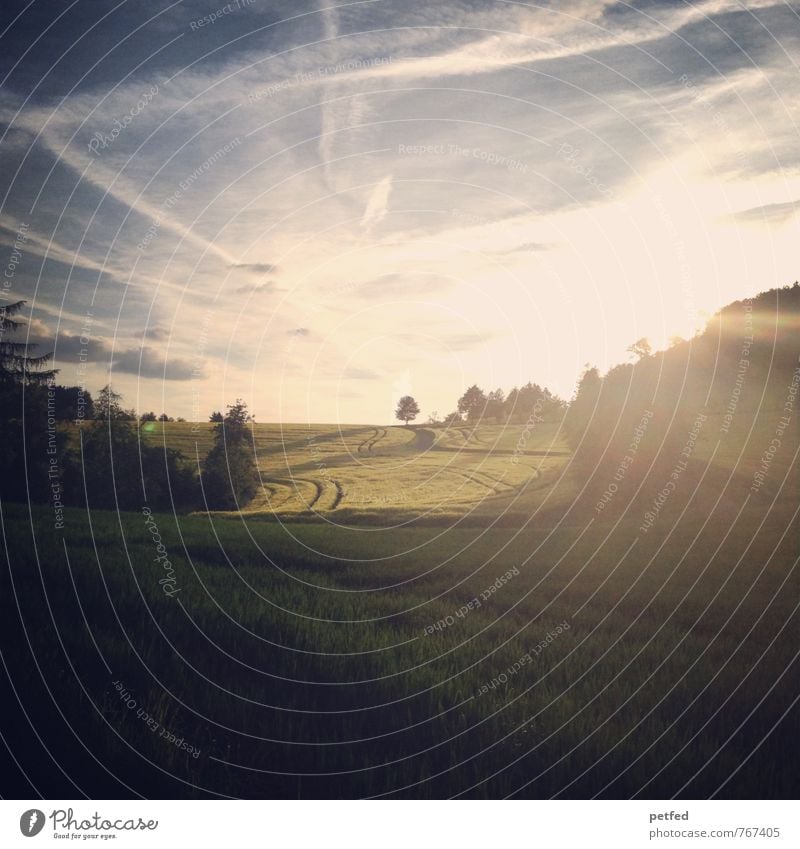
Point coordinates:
[(320, 207)]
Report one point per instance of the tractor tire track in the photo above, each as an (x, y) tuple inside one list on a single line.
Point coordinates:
[(365, 445), (294, 491), (368, 444), (339, 495), (378, 437)]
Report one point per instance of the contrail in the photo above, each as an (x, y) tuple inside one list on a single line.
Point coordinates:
[(328, 121)]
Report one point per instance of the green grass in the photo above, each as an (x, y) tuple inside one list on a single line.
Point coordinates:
[(303, 650), (359, 628), (301, 654)]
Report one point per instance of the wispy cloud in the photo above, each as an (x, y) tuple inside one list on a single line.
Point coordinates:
[(394, 285), (256, 267), (148, 363), (528, 247), (377, 204), (354, 373), (467, 341), (256, 288), (771, 213)]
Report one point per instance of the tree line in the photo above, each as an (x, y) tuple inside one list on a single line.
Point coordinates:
[(476, 406), (104, 463), (740, 363)]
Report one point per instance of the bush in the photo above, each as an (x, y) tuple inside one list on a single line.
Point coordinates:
[(230, 475), (112, 469)]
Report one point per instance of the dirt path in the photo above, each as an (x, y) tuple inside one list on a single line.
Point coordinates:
[(423, 439)]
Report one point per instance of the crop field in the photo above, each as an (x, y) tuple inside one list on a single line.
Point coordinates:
[(390, 474)]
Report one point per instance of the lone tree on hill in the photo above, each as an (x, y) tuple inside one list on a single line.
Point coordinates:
[(407, 409)]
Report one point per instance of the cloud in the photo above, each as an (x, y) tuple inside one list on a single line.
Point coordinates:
[(158, 333), (377, 204), (36, 327), (257, 288), (529, 247), (13, 231), (68, 348), (146, 362), (144, 225), (395, 285), (256, 267), (575, 35), (434, 338), (355, 373), (467, 341), (771, 213)]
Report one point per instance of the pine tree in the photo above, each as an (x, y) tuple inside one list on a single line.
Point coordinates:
[(16, 365), (24, 415)]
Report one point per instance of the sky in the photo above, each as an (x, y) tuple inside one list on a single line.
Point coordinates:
[(320, 207)]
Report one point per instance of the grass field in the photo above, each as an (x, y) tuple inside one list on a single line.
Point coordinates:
[(407, 612), (378, 475)]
